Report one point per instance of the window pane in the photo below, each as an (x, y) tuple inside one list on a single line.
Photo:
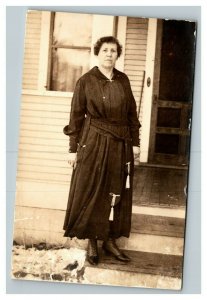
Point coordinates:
[(168, 117), (68, 66), (72, 29), (167, 143)]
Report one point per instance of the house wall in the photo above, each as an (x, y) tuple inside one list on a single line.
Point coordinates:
[(42, 144), (43, 174)]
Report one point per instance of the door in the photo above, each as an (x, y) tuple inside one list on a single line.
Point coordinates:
[(172, 93)]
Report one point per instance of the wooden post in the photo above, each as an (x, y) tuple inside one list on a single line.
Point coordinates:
[(148, 89), (102, 26)]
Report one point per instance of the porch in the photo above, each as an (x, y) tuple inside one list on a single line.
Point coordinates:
[(160, 186), (156, 241), (155, 245)]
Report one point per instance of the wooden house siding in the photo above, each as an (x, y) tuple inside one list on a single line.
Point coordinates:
[(32, 51), (42, 145), (135, 57)]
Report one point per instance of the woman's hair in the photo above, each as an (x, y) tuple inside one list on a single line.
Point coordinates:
[(107, 39)]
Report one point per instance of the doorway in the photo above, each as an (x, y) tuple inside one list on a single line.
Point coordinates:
[(172, 93)]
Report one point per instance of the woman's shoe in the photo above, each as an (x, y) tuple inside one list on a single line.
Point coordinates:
[(110, 247), (92, 252)]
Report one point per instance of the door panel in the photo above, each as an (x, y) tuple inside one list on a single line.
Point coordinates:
[(172, 93)]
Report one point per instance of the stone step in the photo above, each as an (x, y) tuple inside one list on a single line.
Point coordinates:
[(136, 241), (152, 243), (151, 270), (142, 238), (141, 242), (158, 221)]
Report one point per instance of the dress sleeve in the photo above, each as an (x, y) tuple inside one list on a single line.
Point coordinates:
[(134, 123), (77, 116)]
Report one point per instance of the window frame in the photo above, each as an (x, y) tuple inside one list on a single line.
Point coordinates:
[(61, 46), (102, 25)]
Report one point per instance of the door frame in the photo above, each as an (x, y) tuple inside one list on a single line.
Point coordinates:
[(148, 89), (155, 91), (181, 158)]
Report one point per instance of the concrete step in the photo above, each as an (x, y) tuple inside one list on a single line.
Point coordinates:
[(158, 221), (152, 243), (155, 246), (144, 237), (140, 242), (136, 241), (149, 270)]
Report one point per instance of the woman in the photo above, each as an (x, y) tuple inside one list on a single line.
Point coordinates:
[(103, 128)]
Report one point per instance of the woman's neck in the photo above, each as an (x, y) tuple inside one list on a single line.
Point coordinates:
[(107, 72)]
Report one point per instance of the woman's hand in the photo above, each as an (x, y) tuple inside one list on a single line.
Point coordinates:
[(72, 160), (136, 151)]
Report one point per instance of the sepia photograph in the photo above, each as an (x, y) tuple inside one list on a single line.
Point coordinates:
[(104, 150)]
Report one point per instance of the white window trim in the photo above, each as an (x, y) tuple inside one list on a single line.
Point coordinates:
[(44, 51), (102, 26), (148, 91), (121, 36)]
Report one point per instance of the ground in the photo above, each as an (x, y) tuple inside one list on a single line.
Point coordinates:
[(50, 264)]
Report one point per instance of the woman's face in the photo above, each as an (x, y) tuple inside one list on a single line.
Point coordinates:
[(107, 55)]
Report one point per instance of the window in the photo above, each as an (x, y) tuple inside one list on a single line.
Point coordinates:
[(70, 49)]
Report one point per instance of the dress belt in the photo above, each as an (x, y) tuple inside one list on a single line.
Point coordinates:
[(107, 128), (103, 128), (109, 122)]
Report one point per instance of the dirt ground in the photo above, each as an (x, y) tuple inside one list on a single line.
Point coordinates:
[(50, 264)]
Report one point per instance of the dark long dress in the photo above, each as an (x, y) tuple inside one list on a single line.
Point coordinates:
[(103, 128)]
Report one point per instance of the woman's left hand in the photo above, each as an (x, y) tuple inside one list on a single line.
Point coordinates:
[(72, 160)]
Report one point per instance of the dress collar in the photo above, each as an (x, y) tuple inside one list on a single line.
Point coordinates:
[(95, 71)]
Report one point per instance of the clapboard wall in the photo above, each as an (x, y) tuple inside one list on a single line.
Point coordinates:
[(135, 57), (42, 145)]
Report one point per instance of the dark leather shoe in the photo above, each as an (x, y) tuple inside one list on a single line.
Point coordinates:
[(110, 247), (92, 252)]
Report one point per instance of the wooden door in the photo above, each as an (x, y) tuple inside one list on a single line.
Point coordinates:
[(172, 93)]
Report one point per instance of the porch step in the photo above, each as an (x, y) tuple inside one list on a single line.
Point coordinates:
[(156, 240), (152, 244), (140, 242), (151, 270), (155, 247), (158, 221), (152, 231)]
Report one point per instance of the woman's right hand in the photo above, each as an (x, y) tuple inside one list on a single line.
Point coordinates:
[(72, 160)]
